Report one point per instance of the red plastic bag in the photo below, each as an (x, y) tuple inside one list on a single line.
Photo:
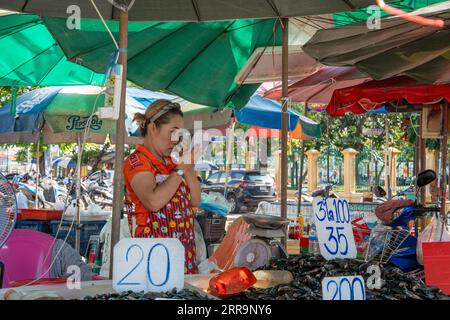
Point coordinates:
[(232, 281), (361, 233)]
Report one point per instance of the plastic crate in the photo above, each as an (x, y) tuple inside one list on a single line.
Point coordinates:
[(88, 228), (39, 214), (213, 227), (41, 226)]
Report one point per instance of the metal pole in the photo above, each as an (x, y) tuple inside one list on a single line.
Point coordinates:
[(78, 193), (284, 122), (418, 222), (300, 182), (328, 150), (444, 155), (229, 157), (120, 140), (388, 160), (371, 163), (422, 156), (37, 174)]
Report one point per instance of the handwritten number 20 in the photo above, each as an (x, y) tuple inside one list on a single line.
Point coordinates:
[(121, 282)]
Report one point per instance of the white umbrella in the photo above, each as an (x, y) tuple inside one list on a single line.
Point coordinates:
[(64, 162)]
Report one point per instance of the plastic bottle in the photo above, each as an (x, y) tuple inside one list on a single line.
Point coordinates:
[(304, 238), (92, 254), (313, 240), (271, 278), (22, 201)]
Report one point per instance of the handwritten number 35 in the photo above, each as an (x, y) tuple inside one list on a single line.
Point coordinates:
[(338, 241)]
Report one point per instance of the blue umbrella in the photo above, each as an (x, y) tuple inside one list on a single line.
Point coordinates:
[(265, 113), (24, 122)]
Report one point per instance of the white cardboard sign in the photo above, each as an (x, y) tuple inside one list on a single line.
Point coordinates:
[(148, 264), (334, 228), (343, 288)]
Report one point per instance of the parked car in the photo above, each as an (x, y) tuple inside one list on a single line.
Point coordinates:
[(245, 189)]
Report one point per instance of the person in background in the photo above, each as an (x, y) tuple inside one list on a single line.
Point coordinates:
[(162, 191)]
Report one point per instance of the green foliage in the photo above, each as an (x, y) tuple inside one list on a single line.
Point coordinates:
[(6, 93)]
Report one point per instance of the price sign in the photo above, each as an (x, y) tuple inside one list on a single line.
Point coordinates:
[(334, 230), (149, 264), (343, 288)]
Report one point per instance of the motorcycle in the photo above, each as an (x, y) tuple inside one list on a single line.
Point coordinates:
[(380, 193), (48, 193), (100, 194), (325, 192), (398, 211), (85, 199), (396, 216)]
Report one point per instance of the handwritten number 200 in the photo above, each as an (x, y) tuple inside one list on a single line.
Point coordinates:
[(351, 287), (121, 282)]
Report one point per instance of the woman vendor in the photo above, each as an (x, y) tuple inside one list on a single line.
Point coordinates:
[(163, 192)]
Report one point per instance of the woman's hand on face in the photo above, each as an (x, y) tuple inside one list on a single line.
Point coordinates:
[(189, 160)]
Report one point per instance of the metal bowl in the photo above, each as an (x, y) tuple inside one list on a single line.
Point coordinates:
[(265, 221)]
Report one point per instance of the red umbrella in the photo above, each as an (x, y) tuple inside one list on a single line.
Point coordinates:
[(374, 94)]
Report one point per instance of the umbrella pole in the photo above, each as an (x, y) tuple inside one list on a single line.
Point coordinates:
[(388, 160), (229, 157), (78, 193), (120, 141), (416, 172), (300, 183), (328, 150), (444, 156), (36, 200), (422, 155), (284, 122)]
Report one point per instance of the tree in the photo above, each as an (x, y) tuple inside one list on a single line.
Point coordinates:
[(30, 149), (347, 132)]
